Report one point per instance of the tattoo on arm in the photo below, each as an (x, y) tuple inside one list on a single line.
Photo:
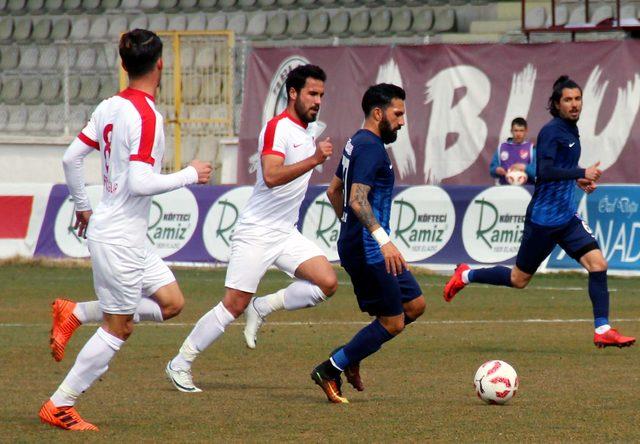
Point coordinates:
[(360, 205)]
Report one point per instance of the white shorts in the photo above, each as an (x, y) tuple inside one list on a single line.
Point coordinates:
[(123, 275), (255, 248)]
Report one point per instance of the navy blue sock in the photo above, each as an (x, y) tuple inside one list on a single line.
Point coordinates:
[(366, 342), (497, 275), (599, 294)]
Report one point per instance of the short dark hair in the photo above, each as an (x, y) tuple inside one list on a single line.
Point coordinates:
[(519, 121), (561, 83), (298, 76), (380, 96), (139, 50)]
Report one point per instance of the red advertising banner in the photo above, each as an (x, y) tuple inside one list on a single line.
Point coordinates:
[(460, 102)]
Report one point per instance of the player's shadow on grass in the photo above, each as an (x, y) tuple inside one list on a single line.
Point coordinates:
[(483, 349)]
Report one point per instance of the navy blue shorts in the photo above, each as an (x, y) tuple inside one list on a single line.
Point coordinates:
[(380, 293), (538, 241)]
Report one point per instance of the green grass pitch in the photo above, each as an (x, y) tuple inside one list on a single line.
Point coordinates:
[(418, 387)]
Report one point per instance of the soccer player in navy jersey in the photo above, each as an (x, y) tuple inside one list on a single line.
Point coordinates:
[(360, 194), (551, 216)]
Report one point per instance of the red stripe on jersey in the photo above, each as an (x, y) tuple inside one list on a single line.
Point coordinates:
[(296, 121), (87, 141), (270, 134), (18, 211), (148, 117)]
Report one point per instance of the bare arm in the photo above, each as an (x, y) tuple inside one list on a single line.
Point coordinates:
[(276, 173), (335, 193)]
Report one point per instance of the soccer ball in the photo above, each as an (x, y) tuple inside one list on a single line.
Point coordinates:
[(516, 177), (496, 382)]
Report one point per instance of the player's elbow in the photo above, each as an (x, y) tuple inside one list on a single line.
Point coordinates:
[(270, 180)]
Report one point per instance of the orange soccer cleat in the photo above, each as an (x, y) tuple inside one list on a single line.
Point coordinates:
[(330, 386), (65, 417), (63, 326), (611, 338), (455, 284)]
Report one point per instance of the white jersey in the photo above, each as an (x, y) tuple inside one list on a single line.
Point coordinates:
[(124, 128), (278, 207)]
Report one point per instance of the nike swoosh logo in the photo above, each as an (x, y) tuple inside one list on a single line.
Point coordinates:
[(296, 146), (571, 145)]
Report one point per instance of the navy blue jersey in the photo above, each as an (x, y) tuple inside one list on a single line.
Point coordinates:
[(364, 160), (557, 155)]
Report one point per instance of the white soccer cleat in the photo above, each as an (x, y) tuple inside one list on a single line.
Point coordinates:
[(181, 379), (254, 322)]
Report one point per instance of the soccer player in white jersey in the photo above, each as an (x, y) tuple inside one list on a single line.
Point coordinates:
[(127, 130), (266, 234)]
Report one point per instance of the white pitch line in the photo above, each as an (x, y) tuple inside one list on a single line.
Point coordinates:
[(324, 323)]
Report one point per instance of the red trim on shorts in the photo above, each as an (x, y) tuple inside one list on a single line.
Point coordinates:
[(87, 141), (148, 116)]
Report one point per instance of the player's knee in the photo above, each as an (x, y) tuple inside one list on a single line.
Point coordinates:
[(236, 305), (599, 264), (394, 326), (417, 308), (329, 285), (519, 283), (173, 309)]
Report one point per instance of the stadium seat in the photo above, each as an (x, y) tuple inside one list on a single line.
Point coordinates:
[(237, 23), (9, 58), (158, 23), (139, 22), (42, 30), (16, 6), (349, 3), (67, 55), (91, 6), (61, 29), (72, 6), (52, 91), (577, 16), (247, 5), (80, 28), (318, 24), (217, 22), (286, 3), (168, 5), (422, 21), (34, 7), (78, 118), (535, 18), (601, 13), (89, 89), (205, 57), (74, 89), (187, 5), (360, 23), (86, 60), (17, 119), (110, 4), (149, 5), (29, 56), (191, 89), (55, 119), (298, 25), (37, 119), (177, 23), (117, 26), (99, 28), (308, 3), (11, 88), (187, 57), (48, 58), (339, 26), (6, 28), (4, 117), (53, 6), (445, 20), (267, 4), (107, 59), (130, 4), (108, 87), (628, 12), (31, 89), (381, 22), (277, 26), (329, 3), (257, 26), (402, 21), (197, 22), (207, 5), (227, 4), (23, 27)]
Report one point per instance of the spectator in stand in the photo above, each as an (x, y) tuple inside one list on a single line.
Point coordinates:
[(517, 153)]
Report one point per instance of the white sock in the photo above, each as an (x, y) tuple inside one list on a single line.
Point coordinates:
[(266, 305), (148, 310), (302, 294), (465, 276), (603, 329), (88, 312), (209, 328), (91, 363)]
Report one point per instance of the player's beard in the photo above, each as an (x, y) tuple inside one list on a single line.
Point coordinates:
[(387, 134), (304, 114)]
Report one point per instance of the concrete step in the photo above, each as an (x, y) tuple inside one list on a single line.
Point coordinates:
[(464, 37), (493, 26)]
